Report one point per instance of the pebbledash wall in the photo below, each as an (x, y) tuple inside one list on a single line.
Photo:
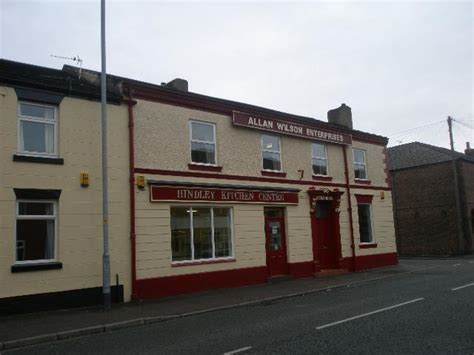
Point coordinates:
[(162, 146), (72, 275)]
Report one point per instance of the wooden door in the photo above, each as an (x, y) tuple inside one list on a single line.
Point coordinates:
[(277, 262), (325, 244)]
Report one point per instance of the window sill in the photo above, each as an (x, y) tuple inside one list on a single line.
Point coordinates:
[(367, 245), (204, 167), (273, 173), (201, 262), (322, 178), (361, 181), (36, 266), (36, 159)]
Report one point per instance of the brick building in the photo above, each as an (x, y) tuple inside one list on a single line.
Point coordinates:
[(424, 199)]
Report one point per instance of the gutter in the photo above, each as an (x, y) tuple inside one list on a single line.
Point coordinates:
[(349, 208), (131, 153)]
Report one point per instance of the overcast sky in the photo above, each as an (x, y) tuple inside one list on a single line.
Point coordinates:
[(398, 65)]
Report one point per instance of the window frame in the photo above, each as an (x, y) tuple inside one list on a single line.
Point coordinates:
[(272, 151), (21, 117), (53, 217), (372, 235), (208, 260), (325, 159), (191, 140), (358, 164)]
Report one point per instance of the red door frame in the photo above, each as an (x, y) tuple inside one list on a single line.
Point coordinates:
[(283, 251), (335, 198)]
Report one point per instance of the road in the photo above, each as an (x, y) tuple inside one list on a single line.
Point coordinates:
[(427, 312)]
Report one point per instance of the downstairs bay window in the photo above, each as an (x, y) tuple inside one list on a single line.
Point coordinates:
[(201, 233)]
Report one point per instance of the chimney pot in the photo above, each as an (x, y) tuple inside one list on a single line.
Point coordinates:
[(469, 151)]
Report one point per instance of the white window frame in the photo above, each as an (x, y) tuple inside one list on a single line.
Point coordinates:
[(272, 151), (191, 222), (325, 158), (358, 164), (371, 224), (191, 140), (21, 117), (54, 217)]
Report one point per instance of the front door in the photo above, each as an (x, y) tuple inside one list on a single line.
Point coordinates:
[(276, 246), (326, 244)]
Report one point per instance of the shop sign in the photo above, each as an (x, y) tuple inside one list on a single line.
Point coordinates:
[(204, 194), (290, 128)]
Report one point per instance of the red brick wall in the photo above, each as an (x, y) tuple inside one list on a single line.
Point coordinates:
[(425, 210), (466, 174)]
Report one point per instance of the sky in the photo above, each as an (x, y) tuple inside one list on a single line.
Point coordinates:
[(402, 66)]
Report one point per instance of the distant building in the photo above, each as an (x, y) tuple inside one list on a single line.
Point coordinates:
[(424, 199)]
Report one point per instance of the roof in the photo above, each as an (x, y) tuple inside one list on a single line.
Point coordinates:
[(56, 81), (415, 154), (67, 82)]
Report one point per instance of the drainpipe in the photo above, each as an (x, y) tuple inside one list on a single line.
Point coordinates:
[(131, 153), (349, 208)]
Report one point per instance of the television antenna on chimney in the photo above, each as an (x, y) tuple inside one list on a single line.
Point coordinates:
[(75, 59)]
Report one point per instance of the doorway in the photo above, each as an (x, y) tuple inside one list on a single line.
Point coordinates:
[(325, 238), (275, 235)]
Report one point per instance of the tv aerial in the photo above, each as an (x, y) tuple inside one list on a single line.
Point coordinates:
[(75, 59)]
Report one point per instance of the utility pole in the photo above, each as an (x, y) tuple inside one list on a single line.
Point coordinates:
[(105, 192), (456, 188)]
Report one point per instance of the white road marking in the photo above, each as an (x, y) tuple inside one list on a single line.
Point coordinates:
[(471, 262), (456, 264), (460, 287), (238, 350), (368, 314)]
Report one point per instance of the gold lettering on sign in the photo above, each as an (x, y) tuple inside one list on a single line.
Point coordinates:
[(271, 196), (187, 194)]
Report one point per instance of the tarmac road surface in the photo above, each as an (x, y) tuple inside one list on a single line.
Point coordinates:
[(426, 312)]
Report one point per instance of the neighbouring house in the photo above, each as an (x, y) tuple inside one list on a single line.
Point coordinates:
[(204, 192), (424, 200), (51, 190)]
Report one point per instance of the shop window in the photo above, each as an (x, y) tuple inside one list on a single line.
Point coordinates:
[(365, 223), (203, 143), (35, 231), (319, 155), (201, 233), (37, 129), (271, 152), (360, 166)]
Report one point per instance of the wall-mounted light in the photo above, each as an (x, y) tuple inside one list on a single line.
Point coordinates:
[(382, 195), (140, 181), (84, 179)]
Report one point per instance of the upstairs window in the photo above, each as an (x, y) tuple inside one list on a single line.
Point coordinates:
[(319, 154), (271, 152), (35, 231), (37, 129), (360, 167), (203, 143)]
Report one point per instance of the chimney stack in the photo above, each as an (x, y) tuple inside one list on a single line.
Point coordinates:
[(341, 116), (178, 84), (469, 151)]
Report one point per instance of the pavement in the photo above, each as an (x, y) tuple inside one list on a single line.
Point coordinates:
[(30, 329)]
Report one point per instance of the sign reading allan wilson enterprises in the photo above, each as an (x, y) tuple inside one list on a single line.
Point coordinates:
[(178, 193), (293, 129)]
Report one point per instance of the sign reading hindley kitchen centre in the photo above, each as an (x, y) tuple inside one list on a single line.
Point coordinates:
[(179, 193), (293, 129)]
